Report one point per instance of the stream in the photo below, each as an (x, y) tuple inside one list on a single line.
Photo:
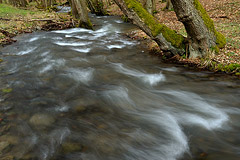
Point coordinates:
[(79, 94)]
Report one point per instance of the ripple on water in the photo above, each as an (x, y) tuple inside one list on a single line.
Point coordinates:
[(81, 50), (151, 79), (53, 64), (29, 50), (206, 115), (73, 30), (80, 75), (72, 43)]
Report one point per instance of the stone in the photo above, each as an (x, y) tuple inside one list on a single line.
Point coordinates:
[(8, 158), (9, 139), (40, 119), (3, 146), (80, 109), (71, 147)]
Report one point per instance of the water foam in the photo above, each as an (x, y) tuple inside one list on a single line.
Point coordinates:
[(73, 30), (52, 64), (118, 96), (81, 75), (207, 116), (31, 49), (115, 46), (72, 44), (152, 79), (82, 50), (33, 39)]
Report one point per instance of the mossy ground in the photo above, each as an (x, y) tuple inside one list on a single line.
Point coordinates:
[(16, 21)]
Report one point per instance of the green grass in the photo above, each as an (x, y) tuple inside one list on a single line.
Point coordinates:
[(7, 11), (232, 32)]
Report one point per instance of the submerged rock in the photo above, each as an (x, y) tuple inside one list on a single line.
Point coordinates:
[(71, 147), (8, 158), (40, 119), (9, 139), (80, 109), (4, 146)]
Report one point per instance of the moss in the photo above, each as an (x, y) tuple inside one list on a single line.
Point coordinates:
[(216, 49), (87, 25), (237, 74), (156, 28), (7, 90), (1, 60), (220, 39), (125, 18)]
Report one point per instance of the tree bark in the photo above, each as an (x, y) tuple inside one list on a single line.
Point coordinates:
[(202, 34), (169, 5), (81, 9), (96, 7), (148, 5), (154, 3), (167, 39)]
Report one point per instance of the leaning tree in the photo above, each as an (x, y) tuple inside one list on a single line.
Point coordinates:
[(201, 33)]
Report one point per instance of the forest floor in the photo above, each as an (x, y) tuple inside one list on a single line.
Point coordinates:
[(14, 21), (226, 17)]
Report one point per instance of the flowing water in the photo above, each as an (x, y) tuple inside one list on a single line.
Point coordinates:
[(79, 94)]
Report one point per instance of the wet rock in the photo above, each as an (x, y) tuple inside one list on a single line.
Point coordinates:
[(80, 109), (8, 158), (40, 119), (28, 157), (70, 147), (4, 145), (5, 128), (9, 139)]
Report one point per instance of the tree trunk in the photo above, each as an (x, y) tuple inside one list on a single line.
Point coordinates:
[(167, 39), (81, 9), (148, 5), (96, 7), (154, 5), (74, 10), (169, 5), (23, 3), (202, 34)]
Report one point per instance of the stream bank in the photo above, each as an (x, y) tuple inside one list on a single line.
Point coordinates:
[(15, 21)]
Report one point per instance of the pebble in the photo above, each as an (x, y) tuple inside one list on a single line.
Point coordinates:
[(40, 119)]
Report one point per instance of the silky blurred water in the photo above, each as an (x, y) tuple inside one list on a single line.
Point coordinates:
[(81, 94)]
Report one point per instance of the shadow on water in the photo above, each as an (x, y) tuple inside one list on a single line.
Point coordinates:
[(83, 94)]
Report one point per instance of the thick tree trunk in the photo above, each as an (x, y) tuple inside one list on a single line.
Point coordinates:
[(96, 7), (202, 34), (167, 39), (81, 9), (74, 10)]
